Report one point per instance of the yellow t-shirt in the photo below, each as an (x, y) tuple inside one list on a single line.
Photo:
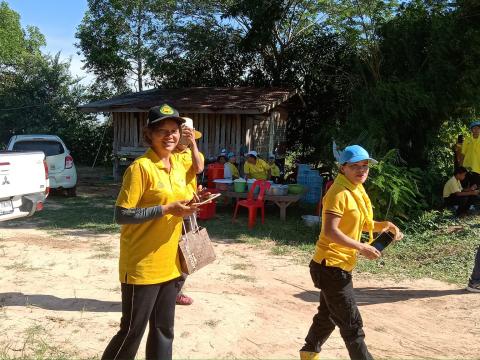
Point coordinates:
[(258, 171), (339, 201), (185, 158), (148, 251), (471, 151), (275, 171), (233, 169), (451, 187)]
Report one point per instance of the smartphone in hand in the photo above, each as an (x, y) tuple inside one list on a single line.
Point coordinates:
[(206, 199), (382, 240)]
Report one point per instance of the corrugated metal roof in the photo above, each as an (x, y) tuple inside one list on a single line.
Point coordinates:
[(241, 100)]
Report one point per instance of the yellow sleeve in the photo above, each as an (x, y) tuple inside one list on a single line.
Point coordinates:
[(334, 203), (246, 168), (465, 146), (133, 186), (266, 166)]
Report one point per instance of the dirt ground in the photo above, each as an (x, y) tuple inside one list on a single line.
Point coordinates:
[(61, 290)]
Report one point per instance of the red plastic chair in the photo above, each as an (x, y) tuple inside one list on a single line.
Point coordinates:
[(253, 204), (319, 205)]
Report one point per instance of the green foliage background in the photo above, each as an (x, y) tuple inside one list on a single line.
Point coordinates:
[(382, 73)]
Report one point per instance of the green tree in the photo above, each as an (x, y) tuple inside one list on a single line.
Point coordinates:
[(116, 37), (16, 43), (39, 95)]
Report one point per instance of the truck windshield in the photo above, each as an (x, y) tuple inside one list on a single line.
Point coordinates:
[(50, 148)]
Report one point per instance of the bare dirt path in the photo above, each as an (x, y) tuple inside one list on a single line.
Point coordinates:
[(60, 292)]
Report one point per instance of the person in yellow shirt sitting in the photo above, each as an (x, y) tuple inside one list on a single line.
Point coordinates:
[(194, 162), (346, 213), (470, 155), (256, 168), (150, 207), (454, 195), (230, 170), (274, 169)]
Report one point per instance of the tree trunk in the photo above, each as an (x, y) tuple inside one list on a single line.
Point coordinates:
[(139, 50)]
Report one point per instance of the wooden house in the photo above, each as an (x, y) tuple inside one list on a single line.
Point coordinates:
[(234, 119)]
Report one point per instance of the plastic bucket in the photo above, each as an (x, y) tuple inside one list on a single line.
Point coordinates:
[(240, 186), (214, 171)]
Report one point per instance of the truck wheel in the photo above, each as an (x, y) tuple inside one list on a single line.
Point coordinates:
[(72, 192)]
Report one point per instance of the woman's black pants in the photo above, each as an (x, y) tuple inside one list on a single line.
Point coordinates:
[(141, 305), (337, 307)]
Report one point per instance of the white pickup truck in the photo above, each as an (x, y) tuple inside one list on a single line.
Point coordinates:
[(23, 183)]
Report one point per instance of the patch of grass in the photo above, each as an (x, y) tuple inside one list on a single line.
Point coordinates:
[(437, 246), (240, 266), (104, 251), (290, 232), (212, 323), (88, 213), (36, 345), (241, 277), (20, 266)]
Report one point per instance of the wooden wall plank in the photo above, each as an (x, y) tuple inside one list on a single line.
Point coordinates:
[(217, 134), (228, 129), (206, 134), (238, 133), (115, 132), (231, 133), (224, 121)]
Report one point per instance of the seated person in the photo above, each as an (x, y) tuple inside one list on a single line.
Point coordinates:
[(222, 158), (453, 194), (256, 168), (274, 169), (230, 171)]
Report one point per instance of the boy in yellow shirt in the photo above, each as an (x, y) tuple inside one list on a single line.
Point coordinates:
[(455, 195), (347, 212), (274, 169)]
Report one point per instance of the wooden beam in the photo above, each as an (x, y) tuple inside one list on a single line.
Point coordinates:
[(256, 111)]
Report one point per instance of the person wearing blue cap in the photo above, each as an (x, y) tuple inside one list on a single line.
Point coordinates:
[(470, 155), (274, 169), (230, 170), (346, 213)]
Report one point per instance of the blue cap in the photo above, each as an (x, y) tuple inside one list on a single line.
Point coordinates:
[(475, 123), (355, 153), (230, 155)]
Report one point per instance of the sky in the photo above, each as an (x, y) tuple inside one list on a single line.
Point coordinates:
[(57, 21)]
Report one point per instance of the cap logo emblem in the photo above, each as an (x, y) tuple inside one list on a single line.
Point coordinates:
[(167, 110)]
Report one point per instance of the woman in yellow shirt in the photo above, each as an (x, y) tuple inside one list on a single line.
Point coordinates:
[(150, 207), (256, 168), (347, 212)]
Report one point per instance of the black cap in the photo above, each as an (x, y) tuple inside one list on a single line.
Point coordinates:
[(159, 113)]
